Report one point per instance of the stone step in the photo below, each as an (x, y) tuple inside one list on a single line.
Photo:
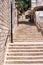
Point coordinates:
[(24, 62), (27, 33), (24, 53)]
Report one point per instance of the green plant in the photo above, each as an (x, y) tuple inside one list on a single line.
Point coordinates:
[(23, 5)]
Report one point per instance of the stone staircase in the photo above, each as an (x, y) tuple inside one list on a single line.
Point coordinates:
[(27, 32), (24, 53)]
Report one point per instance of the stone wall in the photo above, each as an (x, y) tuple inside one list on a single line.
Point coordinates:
[(35, 3), (5, 26)]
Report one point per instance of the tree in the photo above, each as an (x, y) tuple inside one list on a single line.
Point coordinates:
[(23, 5)]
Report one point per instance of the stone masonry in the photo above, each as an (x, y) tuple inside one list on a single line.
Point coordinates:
[(35, 3), (5, 25)]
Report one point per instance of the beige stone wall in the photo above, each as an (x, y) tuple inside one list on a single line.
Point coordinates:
[(39, 2), (5, 25), (35, 3)]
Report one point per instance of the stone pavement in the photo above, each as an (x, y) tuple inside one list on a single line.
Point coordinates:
[(27, 32)]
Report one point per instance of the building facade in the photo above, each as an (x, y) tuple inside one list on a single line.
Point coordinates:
[(35, 3)]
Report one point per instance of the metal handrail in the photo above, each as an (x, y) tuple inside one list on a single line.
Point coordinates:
[(8, 35)]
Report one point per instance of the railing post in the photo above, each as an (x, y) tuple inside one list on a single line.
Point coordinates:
[(11, 25)]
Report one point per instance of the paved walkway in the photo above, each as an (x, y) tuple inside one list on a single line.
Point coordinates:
[(27, 32)]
